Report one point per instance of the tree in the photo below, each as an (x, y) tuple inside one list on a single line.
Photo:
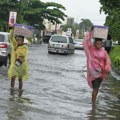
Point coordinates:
[(112, 9), (85, 25), (31, 11), (65, 27), (36, 11)]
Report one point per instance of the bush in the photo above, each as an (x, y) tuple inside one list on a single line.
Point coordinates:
[(115, 56)]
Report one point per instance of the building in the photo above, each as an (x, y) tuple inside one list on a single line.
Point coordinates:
[(70, 21)]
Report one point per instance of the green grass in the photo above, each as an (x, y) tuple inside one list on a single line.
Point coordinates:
[(115, 56)]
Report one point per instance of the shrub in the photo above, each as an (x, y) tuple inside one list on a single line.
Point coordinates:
[(115, 56)]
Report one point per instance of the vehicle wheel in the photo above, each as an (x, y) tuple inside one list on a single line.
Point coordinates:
[(49, 52), (6, 62), (1, 64)]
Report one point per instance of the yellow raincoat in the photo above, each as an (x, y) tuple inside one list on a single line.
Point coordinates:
[(18, 51)]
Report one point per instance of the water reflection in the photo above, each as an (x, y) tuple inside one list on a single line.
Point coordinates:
[(97, 113), (91, 113), (15, 112), (105, 109), (18, 105)]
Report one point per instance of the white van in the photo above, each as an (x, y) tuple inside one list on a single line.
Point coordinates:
[(61, 44)]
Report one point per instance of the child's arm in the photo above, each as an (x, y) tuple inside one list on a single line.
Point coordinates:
[(12, 39), (87, 41)]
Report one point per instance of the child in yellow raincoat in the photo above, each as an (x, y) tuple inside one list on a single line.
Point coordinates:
[(19, 67)]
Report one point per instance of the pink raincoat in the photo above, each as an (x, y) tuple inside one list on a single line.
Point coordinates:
[(97, 61)]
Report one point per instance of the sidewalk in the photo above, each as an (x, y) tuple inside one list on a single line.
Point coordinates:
[(116, 70), (115, 73)]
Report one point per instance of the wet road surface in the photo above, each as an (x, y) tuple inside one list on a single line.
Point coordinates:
[(56, 90)]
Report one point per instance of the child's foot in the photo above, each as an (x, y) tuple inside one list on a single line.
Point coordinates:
[(20, 92)]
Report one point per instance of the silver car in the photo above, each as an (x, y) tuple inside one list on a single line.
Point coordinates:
[(78, 44), (5, 48), (61, 44)]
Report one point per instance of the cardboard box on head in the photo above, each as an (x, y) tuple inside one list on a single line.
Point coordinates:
[(100, 32), (24, 30)]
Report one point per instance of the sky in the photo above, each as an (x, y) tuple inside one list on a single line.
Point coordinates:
[(86, 9)]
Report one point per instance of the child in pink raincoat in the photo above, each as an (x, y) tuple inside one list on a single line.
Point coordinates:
[(98, 63)]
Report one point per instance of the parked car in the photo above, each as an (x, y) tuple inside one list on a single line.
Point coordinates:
[(61, 44), (5, 49), (78, 44)]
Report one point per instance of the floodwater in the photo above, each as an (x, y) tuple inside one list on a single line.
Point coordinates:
[(57, 90)]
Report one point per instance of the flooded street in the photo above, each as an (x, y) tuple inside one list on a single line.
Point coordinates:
[(57, 90)]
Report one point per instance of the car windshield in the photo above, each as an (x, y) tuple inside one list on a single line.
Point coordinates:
[(2, 37), (59, 39), (78, 40)]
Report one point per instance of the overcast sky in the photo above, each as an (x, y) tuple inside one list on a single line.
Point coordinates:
[(82, 9)]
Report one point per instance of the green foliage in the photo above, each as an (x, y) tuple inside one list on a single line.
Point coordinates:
[(31, 11), (65, 27), (85, 25), (112, 10), (109, 5), (115, 56), (74, 28)]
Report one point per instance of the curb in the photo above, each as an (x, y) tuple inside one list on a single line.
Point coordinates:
[(115, 69)]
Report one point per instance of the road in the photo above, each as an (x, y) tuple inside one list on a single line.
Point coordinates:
[(56, 90)]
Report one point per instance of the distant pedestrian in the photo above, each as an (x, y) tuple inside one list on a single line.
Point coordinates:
[(108, 44), (19, 67), (98, 63)]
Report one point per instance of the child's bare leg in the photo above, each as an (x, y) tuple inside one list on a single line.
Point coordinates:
[(20, 83), (94, 95), (13, 82), (12, 85)]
